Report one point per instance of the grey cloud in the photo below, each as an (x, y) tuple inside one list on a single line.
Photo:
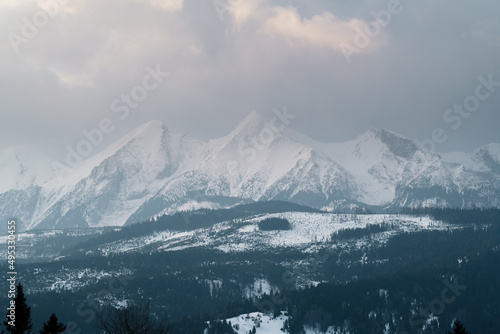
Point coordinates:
[(430, 56)]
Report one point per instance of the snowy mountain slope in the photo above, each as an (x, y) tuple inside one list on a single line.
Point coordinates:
[(118, 181), (237, 166), (378, 159), (446, 184), (22, 170), (393, 171), (22, 167), (19, 204), (485, 159), (455, 180), (151, 171)]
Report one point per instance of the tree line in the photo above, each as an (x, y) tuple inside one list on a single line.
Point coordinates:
[(133, 319)]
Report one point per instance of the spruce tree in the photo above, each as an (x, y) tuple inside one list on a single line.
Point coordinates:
[(23, 315), (53, 326), (458, 328), (134, 319)]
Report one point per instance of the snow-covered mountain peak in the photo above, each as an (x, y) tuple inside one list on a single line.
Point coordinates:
[(254, 132), (150, 171), (250, 126), (143, 138), (252, 117), (398, 145), (149, 131)]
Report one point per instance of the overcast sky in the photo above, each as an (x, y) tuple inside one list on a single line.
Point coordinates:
[(63, 65)]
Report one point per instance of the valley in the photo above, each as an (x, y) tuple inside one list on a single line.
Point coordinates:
[(210, 259)]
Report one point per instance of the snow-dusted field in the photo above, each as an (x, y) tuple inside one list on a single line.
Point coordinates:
[(309, 231), (265, 324)]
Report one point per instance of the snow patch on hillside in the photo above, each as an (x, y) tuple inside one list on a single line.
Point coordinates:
[(258, 288), (265, 324), (309, 233)]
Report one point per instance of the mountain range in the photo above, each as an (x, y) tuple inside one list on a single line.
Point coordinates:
[(152, 171)]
